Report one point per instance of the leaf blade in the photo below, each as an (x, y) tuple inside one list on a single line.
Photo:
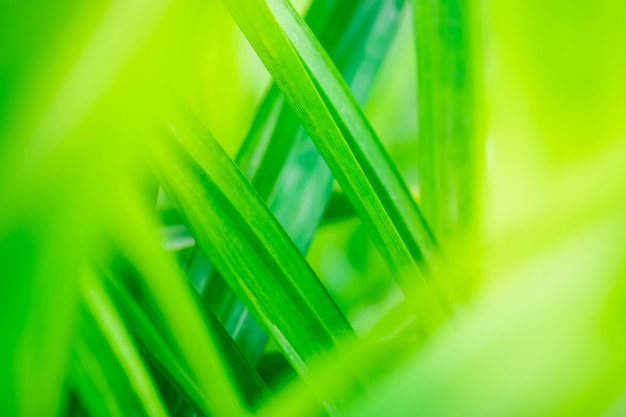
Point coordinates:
[(348, 143), (246, 243)]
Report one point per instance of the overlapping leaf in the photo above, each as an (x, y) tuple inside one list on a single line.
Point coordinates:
[(246, 243), (349, 145), (177, 311), (280, 159)]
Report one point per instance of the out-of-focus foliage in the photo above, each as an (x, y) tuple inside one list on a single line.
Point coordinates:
[(474, 239)]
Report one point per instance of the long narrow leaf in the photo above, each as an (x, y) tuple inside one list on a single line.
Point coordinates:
[(92, 384), (345, 139), (168, 290), (280, 159), (246, 243), (154, 343), (112, 327), (451, 143)]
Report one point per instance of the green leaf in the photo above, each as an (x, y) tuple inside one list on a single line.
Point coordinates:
[(168, 290), (112, 327), (157, 349), (341, 132), (356, 34), (451, 139), (155, 344), (280, 159), (247, 245), (91, 380)]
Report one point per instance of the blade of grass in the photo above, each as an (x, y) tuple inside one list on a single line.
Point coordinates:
[(299, 193), (367, 27), (450, 128), (176, 308), (339, 206), (245, 241), (158, 348), (96, 376), (356, 157), (356, 34), (112, 327)]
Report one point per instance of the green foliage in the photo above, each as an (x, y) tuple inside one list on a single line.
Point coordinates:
[(451, 244)]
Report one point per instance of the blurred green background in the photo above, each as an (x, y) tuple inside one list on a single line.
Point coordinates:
[(542, 330)]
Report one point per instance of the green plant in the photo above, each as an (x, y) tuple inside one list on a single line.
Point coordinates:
[(428, 224)]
